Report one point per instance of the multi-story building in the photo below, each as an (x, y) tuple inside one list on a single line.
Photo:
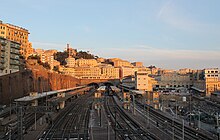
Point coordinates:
[(174, 80), (110, 72), (17, 34), (125, 71), (70, 62), (86, 62), (121, 63), (67, 71), (137, 64), (9, 56), (141, 80), (211, 80), (48, 57), (88, 72)]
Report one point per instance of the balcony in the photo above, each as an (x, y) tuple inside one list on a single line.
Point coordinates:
[(2, 61), (15, 57), (15, 52), (15, 46), (2, 67), (2, 55), (3, 48), (14, 63), (3, 42)]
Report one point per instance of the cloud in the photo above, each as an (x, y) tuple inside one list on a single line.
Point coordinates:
[(49, 45), (167, 58), (176, 16)]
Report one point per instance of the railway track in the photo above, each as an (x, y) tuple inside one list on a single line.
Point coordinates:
[(125, 127), (72, 122), (175, 127)]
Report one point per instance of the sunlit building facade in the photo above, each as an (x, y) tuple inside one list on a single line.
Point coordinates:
[(17, 34)]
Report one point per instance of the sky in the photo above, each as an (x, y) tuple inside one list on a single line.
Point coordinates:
[(169, 34)]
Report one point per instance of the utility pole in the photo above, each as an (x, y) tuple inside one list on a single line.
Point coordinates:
[(10, 94), (115, 124), (199, 123), (183, 129), (173, 127), (134, 113)]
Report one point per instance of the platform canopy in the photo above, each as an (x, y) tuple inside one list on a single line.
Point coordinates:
[(44, 94)]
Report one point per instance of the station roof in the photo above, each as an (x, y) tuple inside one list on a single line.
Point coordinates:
[(200, 90), (114, 88), (102, 88), (138, 91), (44, 94)]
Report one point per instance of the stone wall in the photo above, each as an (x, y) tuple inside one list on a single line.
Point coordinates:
[(20, 84)]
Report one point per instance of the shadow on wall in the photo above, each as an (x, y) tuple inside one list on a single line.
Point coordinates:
[(21, 83)]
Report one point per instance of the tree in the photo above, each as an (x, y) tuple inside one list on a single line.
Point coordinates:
[(61, 56), (84, 55), (46, 65)]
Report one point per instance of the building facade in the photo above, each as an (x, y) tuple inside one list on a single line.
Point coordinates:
[(141, 80), (175, 80), (110, 72), (17, 34), (211, 80), (70, 62), (9, 56), (86, 62)]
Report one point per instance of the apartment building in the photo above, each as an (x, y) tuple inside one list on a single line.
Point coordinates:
[(174, 80), (85, 62), (67, 71), (70, 61), (17, 34), (48, 57), (88, 72), (110, 72), (141, 80), (137, 64), (128, 71), (9, 56), (211, 80)]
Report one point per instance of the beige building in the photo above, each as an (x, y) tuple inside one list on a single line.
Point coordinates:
[(110, 72), (88, 72), (125, 71), (70, 62), (67, 71), (97, 72), (211, 80), (117, 62), (128, 71), (17, 34), (100, 60), (48, 57), (9, 56), (137, 64), (86, 62), (174, 80), (141, 80)]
